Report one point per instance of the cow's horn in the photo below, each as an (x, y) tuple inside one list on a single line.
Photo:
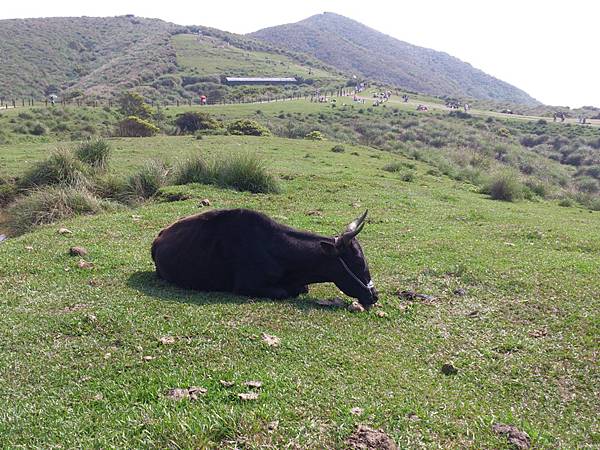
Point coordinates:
[(354, 228)]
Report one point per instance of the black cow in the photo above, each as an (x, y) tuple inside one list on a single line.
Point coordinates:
[(247, 253)]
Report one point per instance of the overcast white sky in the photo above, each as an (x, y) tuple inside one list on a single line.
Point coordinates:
[(548, 48)]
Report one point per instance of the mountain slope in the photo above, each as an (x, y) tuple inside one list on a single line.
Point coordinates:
[(351, 46), (94, 55)]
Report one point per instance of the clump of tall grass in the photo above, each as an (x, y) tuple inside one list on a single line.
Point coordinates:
[(505, 186), (95, 153), (144, 183), (245, 172), (61, 168), (242, 172), (49, 204), (194, 169)]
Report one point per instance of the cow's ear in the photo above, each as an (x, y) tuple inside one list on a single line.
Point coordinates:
[(329, 248)]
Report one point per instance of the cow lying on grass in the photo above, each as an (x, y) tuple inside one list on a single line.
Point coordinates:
[(248, 253)]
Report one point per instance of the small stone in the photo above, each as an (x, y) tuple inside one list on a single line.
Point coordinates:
[(136, 218), (272, 426), (167, 340), (449, 369), (356, 411), (29, 247), (248, 396), (380, 313), (204, 202), (99, 397), (460, 292), (78, 251), (64, 231), (412, 416), (227, 384), (93, 283), (82, 264), (253, 384), (315, 212), (270, 340), (2, 238), (355, 307), (149, 358)]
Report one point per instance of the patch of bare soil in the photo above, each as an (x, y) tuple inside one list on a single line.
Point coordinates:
[(365, 438), (516, 437)]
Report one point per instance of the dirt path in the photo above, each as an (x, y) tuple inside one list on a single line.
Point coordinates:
[(412, 105)]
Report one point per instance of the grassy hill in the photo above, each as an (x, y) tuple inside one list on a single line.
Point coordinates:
[(82, 354), (101, 57), (358, 49), (88, 55)]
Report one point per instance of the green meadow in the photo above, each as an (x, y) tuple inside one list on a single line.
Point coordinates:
[(89, 354)]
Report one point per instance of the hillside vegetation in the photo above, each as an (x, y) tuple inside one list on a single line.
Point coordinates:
[(355, 48), (102, 57)]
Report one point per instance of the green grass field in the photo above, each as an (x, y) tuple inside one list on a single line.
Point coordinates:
[(212, 56), (82, 365)]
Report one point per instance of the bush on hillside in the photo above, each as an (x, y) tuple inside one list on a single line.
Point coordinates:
[(95, 153), (192, 121), (133, 104), (61, 168), (505, 186), (338, 149), (50, 204), (247, 127), (133, 126), (315, 135)]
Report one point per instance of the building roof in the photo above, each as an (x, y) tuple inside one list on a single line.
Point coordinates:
[(261, 80)]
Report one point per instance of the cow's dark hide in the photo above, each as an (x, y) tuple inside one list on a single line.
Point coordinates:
[(247, 253)]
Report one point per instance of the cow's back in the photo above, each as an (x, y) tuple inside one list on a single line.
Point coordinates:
[(202, 251)]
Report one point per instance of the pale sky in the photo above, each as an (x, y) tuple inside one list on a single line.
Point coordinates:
[(548, 48)]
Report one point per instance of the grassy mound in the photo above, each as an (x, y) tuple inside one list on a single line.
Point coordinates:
[(51, 204)]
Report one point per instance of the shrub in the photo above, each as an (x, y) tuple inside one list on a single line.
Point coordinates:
[(133, 126), (94, 153), (408, 177), (315, 135), (247, 127), (338, 148), (50, 204), (133, 104), (393, 167), (110, 187), (144, 183), (505, 186), (8, 191), (504, 132), (62, 167), (192, 121), (245, 172), (565, 202), (194, 170), (39, 129)]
